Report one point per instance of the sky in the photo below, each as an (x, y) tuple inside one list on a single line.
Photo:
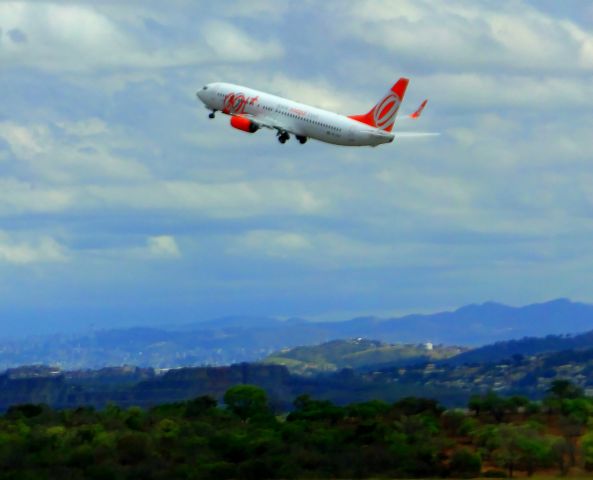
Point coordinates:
[(122, 204)]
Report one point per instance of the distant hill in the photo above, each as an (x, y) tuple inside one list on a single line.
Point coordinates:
[(527, 346), (243, 338), (357, 353)]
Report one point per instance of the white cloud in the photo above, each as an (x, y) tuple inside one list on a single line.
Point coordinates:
[(256, 9), (154, 248), (45, 249), (79, 38), (84, 128), (61, 36), (462, 34), (163, 246), (327, 250), (271, 243), (472, 91), (23, 141), (230, 44), (216, 200), (73, 160), (20, 197)]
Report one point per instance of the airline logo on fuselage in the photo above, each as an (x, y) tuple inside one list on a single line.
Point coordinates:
[(235, 103)]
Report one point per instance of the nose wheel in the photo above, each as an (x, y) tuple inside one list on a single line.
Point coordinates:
[(212, 114)]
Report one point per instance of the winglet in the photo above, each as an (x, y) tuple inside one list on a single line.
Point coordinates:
[(417, 113)]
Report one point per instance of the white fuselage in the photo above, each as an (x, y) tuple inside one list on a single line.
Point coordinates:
[(291, 117)]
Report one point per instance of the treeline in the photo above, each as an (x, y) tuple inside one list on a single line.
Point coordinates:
[(244, 438)]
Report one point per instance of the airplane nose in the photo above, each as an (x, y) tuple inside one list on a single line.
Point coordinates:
[(200, 95)]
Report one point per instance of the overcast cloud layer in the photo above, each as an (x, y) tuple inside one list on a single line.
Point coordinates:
[(122, 203)]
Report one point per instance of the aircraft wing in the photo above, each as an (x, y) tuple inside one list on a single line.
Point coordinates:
[(268, 123)]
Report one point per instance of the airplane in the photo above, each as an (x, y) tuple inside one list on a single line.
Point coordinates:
[(251, 110)]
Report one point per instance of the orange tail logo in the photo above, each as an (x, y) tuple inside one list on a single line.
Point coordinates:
[(382, 115)]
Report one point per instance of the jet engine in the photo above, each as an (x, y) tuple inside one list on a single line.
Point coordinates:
[(243, 123)]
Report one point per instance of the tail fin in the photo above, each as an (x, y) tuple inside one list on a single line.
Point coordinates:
[(382, 115)]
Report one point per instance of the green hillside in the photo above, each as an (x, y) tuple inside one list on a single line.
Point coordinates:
[(357, 353)]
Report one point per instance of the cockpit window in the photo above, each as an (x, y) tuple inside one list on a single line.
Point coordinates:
[(205, 88)]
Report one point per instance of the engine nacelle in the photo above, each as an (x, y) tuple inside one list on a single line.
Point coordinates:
[(243, 123)]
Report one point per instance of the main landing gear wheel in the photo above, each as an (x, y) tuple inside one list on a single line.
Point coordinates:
[(282, 137), (211, 115), (302, 140)]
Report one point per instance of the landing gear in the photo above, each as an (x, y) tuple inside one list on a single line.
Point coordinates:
[(211, 114), (283, 136), (302, 140)]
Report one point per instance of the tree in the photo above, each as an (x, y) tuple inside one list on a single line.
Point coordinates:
[(246, 401), (587, 446), (28, 410), (523, 447), (578, 409), (563, 389), (135, 418), (419, 429), (167, 429), (491, 403), (518, 403), (574, 411), (536, 451), (572, 427), (133, 448), (488, 439), (465, 464), (199, 406), (310, 410), (496, 405), (476, 404), (416, 405), (508, 454), (367, 410), (560, 450)]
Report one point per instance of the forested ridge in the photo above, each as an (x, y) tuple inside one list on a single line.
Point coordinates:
[(242, 437)]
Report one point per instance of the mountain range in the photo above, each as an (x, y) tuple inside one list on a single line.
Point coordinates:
[(236, 339)]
